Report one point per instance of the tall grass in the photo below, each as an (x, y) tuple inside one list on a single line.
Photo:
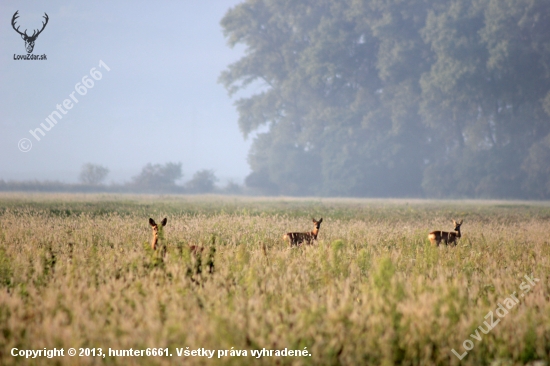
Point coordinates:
[(78, 271)]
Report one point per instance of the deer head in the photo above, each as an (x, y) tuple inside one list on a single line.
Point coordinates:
[(29, 40), (457, 225), (316, 223)]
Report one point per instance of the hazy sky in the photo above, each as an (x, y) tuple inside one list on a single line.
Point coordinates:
[(160, 102)]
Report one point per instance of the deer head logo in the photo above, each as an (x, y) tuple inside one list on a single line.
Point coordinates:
[(29, 40)]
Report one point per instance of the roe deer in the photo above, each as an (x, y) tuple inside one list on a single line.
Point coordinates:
[(448, 237), (194, 249), (296, 239), (155, 238)]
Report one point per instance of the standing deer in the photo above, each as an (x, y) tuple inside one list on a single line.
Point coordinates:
[(194, 249), (29, 40), (447, 237), (296, 239), (155, 238)]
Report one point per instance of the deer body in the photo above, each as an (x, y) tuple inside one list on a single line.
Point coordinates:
[(447, 237), (194, 249), (296, 239)]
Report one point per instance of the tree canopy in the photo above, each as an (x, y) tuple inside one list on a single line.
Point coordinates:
[(394, 98), (158, 177), (93, 174), (203, 181)]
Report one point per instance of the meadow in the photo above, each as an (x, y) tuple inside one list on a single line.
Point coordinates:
[(78, 271)]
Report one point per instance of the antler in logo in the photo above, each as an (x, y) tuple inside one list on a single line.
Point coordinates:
[(29, 40)]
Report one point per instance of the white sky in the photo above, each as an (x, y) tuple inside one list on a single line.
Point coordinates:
[(159, 103)]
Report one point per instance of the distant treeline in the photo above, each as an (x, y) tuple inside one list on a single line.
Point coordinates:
[(436, 98), (154, 178), (53, 186)]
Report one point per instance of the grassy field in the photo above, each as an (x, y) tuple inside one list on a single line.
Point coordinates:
[(78, 271)]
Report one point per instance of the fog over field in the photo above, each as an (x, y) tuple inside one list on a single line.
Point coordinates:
[(160, 102), (332, 98)]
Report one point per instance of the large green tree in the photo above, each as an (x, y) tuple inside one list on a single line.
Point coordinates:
[(482, 96), (392, 97)]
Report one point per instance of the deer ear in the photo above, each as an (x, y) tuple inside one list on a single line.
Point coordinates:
[(152, 222), (164, 221), (312, 219), (320, 220), (461, 221)]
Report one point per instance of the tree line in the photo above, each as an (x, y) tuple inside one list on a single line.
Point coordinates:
[(153, 178), (434, 98)]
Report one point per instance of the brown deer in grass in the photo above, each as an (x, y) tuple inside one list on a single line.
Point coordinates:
[(296, 239), (447, 237), (194, 249), (155, 239)]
